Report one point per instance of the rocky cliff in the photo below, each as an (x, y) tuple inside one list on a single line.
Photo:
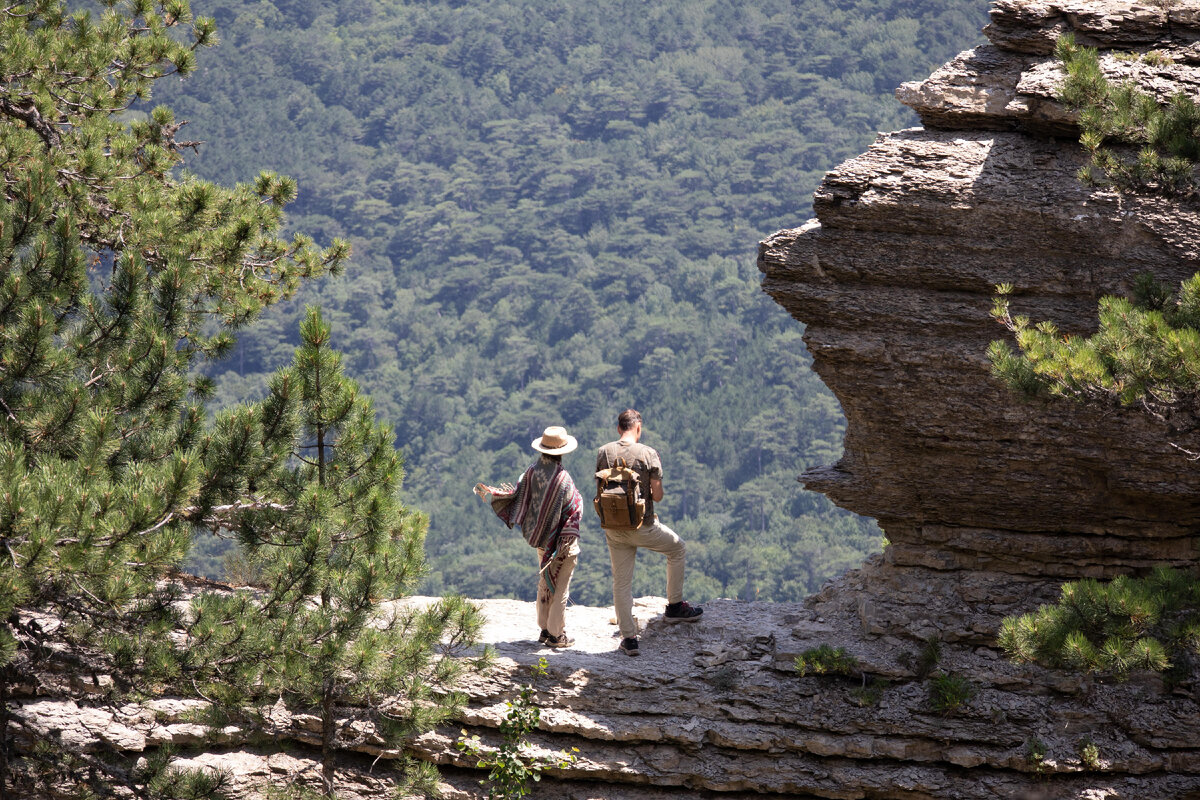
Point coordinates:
[(894, 281), (989, 503), (717, 710)]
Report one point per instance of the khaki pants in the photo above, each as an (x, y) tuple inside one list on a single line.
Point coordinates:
[(552, 609), (622, 549)]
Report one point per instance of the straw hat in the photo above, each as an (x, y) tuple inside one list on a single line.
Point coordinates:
[(555, 441)]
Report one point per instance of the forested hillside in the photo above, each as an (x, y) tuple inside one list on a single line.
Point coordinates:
[(554, 209)]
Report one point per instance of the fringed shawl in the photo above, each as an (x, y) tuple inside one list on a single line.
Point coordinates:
[(547, 507)]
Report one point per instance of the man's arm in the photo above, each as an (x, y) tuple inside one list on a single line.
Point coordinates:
[(655, 474)]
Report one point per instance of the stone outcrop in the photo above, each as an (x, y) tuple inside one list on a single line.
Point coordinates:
[(717, 710), (895, 278), (988, 502)]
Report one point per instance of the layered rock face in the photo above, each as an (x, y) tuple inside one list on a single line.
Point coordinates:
[(716, 710), (895, 278)]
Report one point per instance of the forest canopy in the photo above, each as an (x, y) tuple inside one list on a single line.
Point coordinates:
[(554, 211)]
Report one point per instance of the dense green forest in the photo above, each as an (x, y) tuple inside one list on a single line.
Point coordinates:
[(554, 210)]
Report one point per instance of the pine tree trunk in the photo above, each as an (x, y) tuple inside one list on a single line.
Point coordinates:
[(320, 455), (325, 594), (327, 731), (5, 677)]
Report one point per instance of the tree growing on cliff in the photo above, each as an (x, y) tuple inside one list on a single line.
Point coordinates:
[(332, 542), (1146, 352), (1145, 355), (1116, 627), (118, 278), (1157, 146)]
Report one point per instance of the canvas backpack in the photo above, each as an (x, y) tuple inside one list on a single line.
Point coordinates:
[(618, 500)]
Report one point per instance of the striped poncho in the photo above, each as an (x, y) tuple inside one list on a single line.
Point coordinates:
[(547, 507)]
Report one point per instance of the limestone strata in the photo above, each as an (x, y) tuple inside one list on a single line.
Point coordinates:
[(989, 502), (894, 281), (716, 709), (1033, 27), (1010, 83)]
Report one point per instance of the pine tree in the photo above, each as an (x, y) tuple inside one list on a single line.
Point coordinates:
[(334, 542), (1145, 355), (1135, 143), (117, 276), (1149, 623)]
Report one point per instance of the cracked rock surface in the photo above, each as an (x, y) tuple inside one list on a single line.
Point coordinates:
[(716, 709)]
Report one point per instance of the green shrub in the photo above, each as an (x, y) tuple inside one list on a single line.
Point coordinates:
[(869, 694), (1089, 754), (512, 766), (949, 692), (1166, 136), (724, 679), (929, 656), (1035, 753), (826, 660)]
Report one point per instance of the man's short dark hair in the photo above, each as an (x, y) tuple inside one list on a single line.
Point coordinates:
[(627, 419)]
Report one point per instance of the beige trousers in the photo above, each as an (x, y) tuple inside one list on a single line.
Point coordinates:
[(552, 609), (622, 549)]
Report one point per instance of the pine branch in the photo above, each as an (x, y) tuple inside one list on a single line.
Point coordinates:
[(1191, 454), (225, 515), (34, 119)]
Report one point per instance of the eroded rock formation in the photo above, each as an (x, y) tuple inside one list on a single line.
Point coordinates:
[(989, 503), (894, 281)]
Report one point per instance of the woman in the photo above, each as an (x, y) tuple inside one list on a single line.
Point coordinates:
[(547, 507)]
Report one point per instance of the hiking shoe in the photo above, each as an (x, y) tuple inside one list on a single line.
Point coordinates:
[(543, 636), (629, 647), (682, 612), (559, 641)]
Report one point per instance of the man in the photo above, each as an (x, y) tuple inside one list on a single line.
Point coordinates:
[(623, 543), (547, 507)]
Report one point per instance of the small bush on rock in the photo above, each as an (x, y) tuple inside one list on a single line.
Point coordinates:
[(826, 660), (1089, 754), (869, 694), (512, 766), (1035, 753), (948, 693), (929, 656)]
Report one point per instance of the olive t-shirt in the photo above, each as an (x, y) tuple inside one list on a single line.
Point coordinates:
[(642, 459)]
